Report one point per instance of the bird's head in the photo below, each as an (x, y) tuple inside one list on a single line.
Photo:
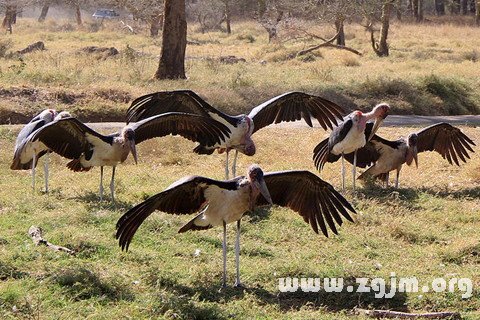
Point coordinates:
[(379, 113), (47, 115), (412, 154), (129, 139), (63, 115), (255, 176)]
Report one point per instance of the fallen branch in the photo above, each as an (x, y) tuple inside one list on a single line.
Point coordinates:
[(37, 46), (36, 234), (404, 315), (328, 44)]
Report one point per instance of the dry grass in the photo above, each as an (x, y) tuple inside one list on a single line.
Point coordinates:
[(428, 228), (446, 52)]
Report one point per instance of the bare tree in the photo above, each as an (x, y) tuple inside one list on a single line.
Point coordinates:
[(149, 11), (439, 7), (44, 12), (10, 17), (381, 47), (477, 13), (174, 43)]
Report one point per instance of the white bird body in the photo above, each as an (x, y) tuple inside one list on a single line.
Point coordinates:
[(105, 154), (31, 149), (354, 140), (225, 205), (390, 158)]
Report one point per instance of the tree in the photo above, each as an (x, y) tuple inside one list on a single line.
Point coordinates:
[(381, 47), (149, 11), (44, 12), (439, 7), (174, 42), (477, 13)]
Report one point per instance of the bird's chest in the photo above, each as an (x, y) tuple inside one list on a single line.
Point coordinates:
[(353, 140), (108, 155), (227, 205)]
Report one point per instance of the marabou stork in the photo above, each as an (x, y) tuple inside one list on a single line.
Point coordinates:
[(289, 106), (219, 203), (386, 155), (348, 137), (26, 153), (72, 139)]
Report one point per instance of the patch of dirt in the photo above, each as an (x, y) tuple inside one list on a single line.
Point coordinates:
[(20, 104)]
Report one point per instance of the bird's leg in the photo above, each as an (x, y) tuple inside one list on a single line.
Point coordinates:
[(387, 179), (112, 185), (34, 164), (234, 165), (354, 168), (396, 179), (224, 280), (343, 174), (45, 169), (101, 183), (226, 165), (237, 256)]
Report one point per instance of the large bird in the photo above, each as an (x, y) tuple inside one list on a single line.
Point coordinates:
[(72, 139), (26, 153), (386, 155), (348, 137), (219, 203), (289, 106)]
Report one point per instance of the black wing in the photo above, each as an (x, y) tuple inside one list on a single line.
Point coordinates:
[(67, 137), (183, 197), (160, 102), (449, 141), (206, 131), (292, 106), (305, 193)]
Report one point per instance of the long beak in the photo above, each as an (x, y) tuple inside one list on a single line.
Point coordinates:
[(262, 187), (376, 125), (134, 150), (415, 156)]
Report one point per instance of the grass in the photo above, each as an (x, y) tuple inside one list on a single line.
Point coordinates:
[(435, 72), (428, 228)]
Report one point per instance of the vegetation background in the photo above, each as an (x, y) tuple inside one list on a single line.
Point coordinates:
[(428, 228)]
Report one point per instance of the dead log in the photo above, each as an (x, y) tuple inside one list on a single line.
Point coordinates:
[(37, 46), (37, 238), (404, 315)]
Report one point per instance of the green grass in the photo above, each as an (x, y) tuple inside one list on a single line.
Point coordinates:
[(427, 229)]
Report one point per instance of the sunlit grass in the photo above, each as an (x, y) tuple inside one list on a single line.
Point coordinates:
[(428, 228)]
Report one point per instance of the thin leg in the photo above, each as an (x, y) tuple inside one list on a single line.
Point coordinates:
[(45, 169), (396, 179), (226, 166), (387, 179), (237, 256), (101, 183), (354, 170), (343, 174), (224, 280), (234, 165), (112, 185), (34, 164)]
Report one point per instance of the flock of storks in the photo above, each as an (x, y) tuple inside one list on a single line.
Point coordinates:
[(183, 112)]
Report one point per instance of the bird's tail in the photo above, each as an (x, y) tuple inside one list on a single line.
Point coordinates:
[(195, 224), (322, 155), (18, 165), (76, 166), (203, 150)]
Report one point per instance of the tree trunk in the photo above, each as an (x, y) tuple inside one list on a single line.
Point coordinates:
[(410, 8), (78, 15), (464, 7), (440, 7), (44, 12), (10, 18), (477, 14), (455, 7), (154, 25), (415, 9), (174, 42), (420, 11), (382, 49), (227, 16), (340, 31)]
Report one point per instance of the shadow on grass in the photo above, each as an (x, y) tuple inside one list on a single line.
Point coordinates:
[(259, 214), (412, 194), (331, 301), (92, 202)]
